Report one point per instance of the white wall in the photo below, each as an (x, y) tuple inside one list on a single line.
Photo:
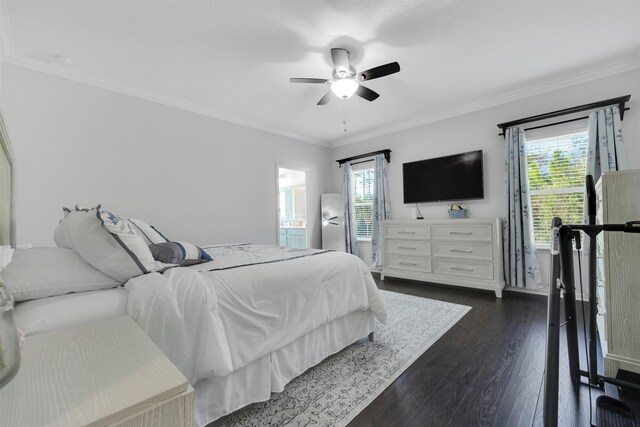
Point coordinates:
[(196, 178), (209, 181), (478, 130)]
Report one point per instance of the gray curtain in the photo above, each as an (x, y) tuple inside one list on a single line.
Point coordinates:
[(520, 256), (381, 208), (605, 146), (351, 241), (605, 152)]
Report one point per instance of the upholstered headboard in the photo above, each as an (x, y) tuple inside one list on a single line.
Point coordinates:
[(7, 221)]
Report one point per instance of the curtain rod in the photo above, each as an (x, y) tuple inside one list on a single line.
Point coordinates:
[(620, 101), (387, 155)]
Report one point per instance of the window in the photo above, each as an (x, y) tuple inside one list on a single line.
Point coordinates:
[(363, 201), (557, 167)]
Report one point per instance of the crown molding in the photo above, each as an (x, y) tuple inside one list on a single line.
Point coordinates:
[(516, 95), (69, 73), (96, 81), (6, 37)]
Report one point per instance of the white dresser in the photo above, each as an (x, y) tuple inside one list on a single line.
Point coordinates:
[(461, 252), (619, 272)]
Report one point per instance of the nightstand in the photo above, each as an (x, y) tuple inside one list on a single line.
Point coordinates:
[(98, 374)]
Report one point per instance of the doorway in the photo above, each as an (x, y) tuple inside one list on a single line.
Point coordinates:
[(293, 190)]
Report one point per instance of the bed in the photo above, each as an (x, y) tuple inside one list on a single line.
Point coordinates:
[(239, 326)]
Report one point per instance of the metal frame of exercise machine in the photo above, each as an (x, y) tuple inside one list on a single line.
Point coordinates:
[(562, 281)]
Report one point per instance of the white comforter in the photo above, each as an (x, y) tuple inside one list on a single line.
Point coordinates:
[(215, 322)]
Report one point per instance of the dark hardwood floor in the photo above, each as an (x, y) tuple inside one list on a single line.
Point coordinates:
[(485, 371)]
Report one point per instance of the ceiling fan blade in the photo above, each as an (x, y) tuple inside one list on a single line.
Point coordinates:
[(340, 58), (303, 80), (381, 71), (325, 98), (367, 93)]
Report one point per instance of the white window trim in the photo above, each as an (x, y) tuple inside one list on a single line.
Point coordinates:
[(558, 129), (367, 164)]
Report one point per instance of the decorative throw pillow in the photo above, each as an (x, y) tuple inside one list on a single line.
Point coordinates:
[(130, 241), (107, 242), (181, 253), (149, 233)]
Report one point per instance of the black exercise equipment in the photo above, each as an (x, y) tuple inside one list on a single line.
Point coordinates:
[(609, 412)]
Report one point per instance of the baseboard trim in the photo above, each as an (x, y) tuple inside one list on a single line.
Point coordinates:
[(540, 291)]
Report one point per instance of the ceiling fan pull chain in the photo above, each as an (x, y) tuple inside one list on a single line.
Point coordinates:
[(344, 116)]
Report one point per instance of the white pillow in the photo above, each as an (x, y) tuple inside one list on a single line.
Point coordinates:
[(44, 272), (46, 314), (107, 242), (58, 235), (149, 233)]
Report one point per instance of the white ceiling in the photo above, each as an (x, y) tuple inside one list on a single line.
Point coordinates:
[(232, 59)]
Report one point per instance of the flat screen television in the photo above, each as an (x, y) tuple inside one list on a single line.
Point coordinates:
[(456, 177)]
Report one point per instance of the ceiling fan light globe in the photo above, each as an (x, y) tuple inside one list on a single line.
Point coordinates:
[(344, 88)]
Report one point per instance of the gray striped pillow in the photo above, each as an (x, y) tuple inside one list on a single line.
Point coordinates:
[(181, 253)]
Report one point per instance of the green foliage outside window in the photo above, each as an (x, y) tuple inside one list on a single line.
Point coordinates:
[(556, 168)]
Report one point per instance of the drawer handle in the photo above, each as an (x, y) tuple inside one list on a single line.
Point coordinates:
[(462, 268), (413, 248), (466, 251), (406, 232), (464, 233), (411, 264)]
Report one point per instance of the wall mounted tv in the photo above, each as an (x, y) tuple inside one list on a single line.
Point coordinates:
[(456, 177)]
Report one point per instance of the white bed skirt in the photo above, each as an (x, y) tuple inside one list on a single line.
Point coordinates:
[(219, 396)]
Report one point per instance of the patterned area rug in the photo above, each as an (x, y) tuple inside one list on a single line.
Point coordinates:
[(333, 392)]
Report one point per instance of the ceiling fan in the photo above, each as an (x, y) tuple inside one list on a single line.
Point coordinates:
[(346, 81)]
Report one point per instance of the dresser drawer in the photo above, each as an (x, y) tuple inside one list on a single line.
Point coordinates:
[(472, 232), (406, 232), (467, 268), (401, 262), (407, 247), (463, 250)]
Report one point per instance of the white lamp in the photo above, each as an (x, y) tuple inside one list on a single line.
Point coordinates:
[(344, 88)]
